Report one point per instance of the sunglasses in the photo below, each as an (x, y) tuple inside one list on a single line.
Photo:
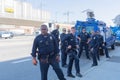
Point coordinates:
[(43, 29)]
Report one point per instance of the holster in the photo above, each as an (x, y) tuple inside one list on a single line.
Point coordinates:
[(43, 58), (72, 52)]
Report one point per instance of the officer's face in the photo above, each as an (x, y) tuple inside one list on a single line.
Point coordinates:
[(68, 31), (44, 29), (73, 30), (83, 30), (92, 32), (64, 31), (57, 26)]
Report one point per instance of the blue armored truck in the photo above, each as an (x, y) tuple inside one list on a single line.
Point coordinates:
[(93, 24), (116, 32)]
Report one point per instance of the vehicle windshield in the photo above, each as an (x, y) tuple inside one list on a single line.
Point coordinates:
[(89, 28), (78, 29)]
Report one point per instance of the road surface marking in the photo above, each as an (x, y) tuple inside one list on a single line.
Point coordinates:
[(20, 61)]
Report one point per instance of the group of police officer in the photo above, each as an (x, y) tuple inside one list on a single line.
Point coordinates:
[(46, 47)]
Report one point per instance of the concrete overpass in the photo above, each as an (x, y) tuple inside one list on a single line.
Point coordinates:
[(29, 26), (19, 22), (25, 22)]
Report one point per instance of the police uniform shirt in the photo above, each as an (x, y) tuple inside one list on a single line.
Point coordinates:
[(45, 44), (63, 38), (84, 36), (55, 33), (72, 40), (94, 41), (100, 38)]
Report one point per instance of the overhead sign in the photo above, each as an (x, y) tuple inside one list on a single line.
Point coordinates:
[(9, 10), (9, 6)]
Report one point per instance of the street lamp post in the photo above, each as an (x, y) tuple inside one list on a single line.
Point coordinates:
[(56, 16), (68, 15), (22, 8), (41, 9)]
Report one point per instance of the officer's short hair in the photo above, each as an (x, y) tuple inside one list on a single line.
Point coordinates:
[(57, 26), (84, 28), (64, 29), (72, 27), (43, 25)]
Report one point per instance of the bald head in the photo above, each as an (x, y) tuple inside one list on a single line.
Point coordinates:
[(83, 30), (57, 26), (43, 29), (73, 30), (64, 30)]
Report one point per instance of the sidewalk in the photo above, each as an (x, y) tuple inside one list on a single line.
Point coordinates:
[(108, 69)]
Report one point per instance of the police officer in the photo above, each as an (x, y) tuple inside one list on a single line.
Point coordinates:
[(102, 46), (72, 46), (84, 39), (55, 33), (47, 53), (93, 47), (101, 41), (68, 31), (63, 38)]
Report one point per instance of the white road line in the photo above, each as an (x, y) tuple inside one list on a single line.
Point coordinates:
[(20, 61)]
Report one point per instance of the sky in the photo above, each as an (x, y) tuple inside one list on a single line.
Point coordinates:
[(104, 10)]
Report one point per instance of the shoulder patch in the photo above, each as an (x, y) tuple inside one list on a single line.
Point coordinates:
[(41, 41), (94, 37), (51, 38)]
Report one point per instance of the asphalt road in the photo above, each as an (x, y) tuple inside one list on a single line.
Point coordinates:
[(15, 61)]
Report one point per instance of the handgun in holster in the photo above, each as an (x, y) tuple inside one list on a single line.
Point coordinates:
[(43, 58)]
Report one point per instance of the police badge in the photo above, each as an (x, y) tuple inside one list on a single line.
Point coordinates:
[(50, 37)]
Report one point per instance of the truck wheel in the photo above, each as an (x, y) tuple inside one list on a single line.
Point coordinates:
[(113, 46)]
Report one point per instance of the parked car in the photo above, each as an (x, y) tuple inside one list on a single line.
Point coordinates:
[(6, 34)]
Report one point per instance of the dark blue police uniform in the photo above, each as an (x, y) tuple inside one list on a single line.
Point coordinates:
[(47, 52), (103, 47), (94, 45), (100, 40), (83, 43), (64, 44), (55, 33), (72, 54)]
